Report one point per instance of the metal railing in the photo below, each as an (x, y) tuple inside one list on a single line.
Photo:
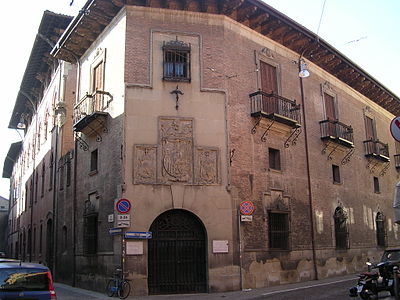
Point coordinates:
[(268, 103), (336, 130), (377, 148), (98, 101)]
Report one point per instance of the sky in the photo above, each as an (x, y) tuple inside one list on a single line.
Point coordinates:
[(366, 31)]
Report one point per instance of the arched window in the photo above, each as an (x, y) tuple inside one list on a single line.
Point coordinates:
[(341, 232), (380, 230)]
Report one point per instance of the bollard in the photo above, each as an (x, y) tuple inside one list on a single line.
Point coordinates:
[(396, 282)]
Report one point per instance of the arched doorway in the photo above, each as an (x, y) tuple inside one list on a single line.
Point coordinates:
[(177, 254)]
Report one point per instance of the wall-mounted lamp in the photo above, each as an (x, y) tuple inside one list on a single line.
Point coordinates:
[(21, 123), (303, 69)]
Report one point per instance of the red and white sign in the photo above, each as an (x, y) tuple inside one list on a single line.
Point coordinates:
[(395, 128), (246, 207), (123, 206)]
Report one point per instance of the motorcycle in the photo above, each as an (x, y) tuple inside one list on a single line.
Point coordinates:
[(371, 283)]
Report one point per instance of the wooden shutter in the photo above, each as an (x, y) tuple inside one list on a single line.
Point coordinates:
[(330, 107), (269, 81), (98, 86), (369, 128)]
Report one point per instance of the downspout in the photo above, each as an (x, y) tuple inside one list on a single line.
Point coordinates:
[(310, 199)]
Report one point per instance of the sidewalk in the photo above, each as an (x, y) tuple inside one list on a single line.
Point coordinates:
[(66, 292)]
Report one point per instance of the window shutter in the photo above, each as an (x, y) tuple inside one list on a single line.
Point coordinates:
[(330, 107), (269, 82)]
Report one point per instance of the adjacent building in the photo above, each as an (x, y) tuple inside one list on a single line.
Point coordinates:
[(252, 153)]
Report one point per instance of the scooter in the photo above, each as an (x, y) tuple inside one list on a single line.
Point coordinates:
[(371, 283)]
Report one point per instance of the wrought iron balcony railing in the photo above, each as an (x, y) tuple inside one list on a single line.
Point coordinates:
[(98, 101), (397, 161), (377, 149), (337, 132), (275, 107)]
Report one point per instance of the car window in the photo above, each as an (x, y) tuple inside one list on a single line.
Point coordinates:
[(23, 279), (392, 255)]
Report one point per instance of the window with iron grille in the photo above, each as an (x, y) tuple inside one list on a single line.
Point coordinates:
[(274, 159), (176, 61), (90, 234), (380, 230), (376, 185), (336, 174), (341, 232), (278, 227)]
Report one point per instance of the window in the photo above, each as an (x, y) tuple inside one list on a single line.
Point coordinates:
[(336, 174), (341, 234), (376, 185), (278, 225), (98, 85), (274, 159), (330, 109), (90, 233), (380, 230), (61, 170), (93, 160), (68, 166), (42, 179), (176, 61), (269, 79), (51, 169), (370, 129)]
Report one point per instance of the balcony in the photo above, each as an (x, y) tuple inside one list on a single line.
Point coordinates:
[(89, 115), (275, 108), (377, 149), (397, 161), (337, 132)]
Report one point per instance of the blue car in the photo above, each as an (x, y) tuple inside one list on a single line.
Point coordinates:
[(20, 280)]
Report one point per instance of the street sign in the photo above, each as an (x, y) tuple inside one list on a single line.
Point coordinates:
[(123, 217), (395, 128), (123, 206), (245, 218), (138, 235), (246, 207), (114, 231), (123, 224)]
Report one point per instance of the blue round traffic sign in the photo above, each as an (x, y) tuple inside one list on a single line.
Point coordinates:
[(123, 206)]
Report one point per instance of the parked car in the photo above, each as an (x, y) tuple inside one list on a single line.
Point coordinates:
[(20, 280)]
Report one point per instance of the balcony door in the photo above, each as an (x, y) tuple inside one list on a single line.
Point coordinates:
[(370, 129), (330, 113), (98, 85), (269, 82)]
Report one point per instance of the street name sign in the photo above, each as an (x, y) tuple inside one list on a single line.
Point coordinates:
[(115, 231), (138, 235)]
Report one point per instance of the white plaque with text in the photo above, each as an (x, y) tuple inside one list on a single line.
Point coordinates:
[(134, 248), (220, 246)]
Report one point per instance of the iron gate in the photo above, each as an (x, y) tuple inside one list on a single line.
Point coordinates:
[(177, 254)]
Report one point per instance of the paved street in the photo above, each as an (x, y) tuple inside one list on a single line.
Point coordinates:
[(327, 289)]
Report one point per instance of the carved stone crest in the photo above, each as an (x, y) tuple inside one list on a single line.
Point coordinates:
[(175, 159)]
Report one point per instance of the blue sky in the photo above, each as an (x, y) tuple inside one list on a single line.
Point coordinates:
[(366, 31)]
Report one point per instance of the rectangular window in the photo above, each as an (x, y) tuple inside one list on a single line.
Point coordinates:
[(93, 160), (68, 166), (176, 61), (376, 185), (269, 79), (90, 234), (274, 159), (370, 129), (278, 225), (330, 109), (336, 174)]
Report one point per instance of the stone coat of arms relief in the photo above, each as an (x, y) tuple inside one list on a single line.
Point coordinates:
[(175, 159)]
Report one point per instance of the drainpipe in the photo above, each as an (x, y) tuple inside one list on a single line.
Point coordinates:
[(310, 199)]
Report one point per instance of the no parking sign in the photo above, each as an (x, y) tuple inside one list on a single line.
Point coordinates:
[(123, 206), (395, 128)]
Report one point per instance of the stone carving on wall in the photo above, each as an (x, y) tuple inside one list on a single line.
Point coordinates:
[(145, 164), (206, 170), (176, 149), (175, 159)]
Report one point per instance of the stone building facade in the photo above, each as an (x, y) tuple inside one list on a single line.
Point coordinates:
[(245, 174)]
